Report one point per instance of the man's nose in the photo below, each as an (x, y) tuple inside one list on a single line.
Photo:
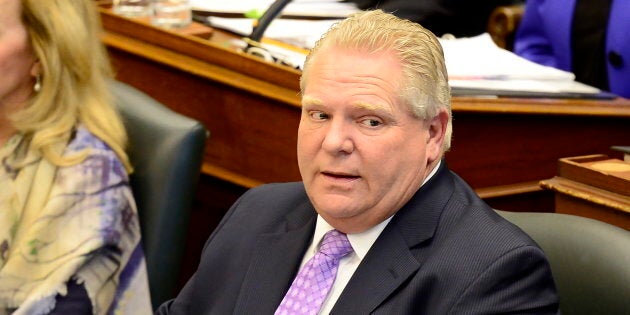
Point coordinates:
[(338, 138)]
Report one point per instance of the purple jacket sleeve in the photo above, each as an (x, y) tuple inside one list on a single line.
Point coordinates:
[(532, 41)]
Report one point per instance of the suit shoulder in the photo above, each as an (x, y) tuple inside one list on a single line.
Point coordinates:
[(273, 199), (278, 188), (276, 193), (472, 211)]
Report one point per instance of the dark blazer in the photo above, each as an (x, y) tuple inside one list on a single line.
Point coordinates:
[(444, 252), (544, 36), (458, 17)]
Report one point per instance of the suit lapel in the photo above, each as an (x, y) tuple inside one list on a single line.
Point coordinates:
[(275, 262), (378, 275), (398, 252)]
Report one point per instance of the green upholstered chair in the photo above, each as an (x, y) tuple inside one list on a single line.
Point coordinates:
[(166, 150), (590, 260)]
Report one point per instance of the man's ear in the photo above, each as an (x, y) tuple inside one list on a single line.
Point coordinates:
[(437, 131)]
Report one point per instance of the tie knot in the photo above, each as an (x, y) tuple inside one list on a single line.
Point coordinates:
[(335, 244)]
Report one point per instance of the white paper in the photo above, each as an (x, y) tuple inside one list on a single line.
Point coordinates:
[(479, 58), (306, 8), (299, 33)]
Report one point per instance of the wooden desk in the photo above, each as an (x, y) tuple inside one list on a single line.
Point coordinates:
[(502, 147), (593, 186), (253, 108)]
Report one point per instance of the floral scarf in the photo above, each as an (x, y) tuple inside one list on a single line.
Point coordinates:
[(60, 223)]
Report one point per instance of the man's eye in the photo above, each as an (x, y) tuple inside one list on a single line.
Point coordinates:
[(317, 115), (371, 122)]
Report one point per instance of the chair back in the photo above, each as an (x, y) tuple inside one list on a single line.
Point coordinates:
[(166, 150), (590, 260)]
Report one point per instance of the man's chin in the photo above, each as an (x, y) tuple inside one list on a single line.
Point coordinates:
[(336, 207)]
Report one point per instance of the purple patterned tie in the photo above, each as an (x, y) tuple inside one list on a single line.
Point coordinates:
[(311, 285)]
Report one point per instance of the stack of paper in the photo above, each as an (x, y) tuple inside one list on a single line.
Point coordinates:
[(476, 66), (480, 58)]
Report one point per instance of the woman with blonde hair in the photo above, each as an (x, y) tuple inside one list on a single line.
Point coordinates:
[(69, 231)]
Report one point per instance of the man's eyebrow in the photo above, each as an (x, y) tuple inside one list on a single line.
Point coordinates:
[(312, 101), (309, 100), (371, 106)]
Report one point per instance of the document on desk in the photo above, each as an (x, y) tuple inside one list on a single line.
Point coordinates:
[(309, 19), (479, 57), (476, 66), (299, 33), (296, 8), (287, 39)]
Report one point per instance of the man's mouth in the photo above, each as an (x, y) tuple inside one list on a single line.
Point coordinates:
[(340, 175)]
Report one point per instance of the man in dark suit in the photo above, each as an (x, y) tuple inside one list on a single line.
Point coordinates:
[(461, 18), (379, 224)]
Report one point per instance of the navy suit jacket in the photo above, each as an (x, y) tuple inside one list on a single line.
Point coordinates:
[(444, 252)]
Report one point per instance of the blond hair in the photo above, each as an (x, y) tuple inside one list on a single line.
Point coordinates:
[(66, 40), (425, 80)]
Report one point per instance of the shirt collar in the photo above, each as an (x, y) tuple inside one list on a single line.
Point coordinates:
[(361, 242)]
